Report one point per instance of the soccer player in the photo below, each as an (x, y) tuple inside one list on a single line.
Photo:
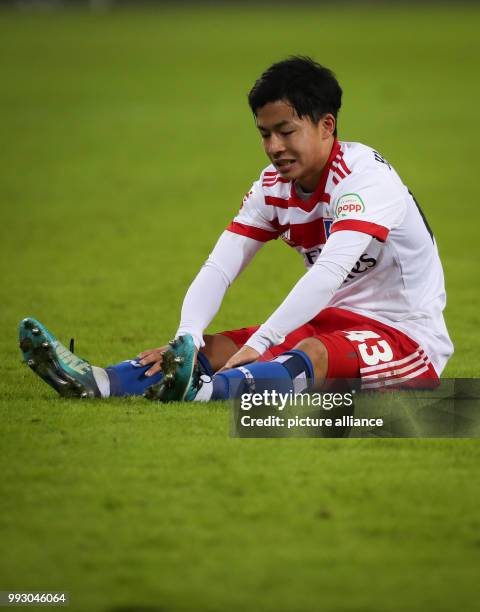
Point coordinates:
[(369, 307)]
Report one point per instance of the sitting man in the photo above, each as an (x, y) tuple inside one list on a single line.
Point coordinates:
[(369, 307)]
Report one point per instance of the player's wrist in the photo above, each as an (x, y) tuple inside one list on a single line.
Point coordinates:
[(264, 338), (197, 337)]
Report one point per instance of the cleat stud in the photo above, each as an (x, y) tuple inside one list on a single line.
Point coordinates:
[(45, 344), (84, 395), (178, 360), (35, 331), (31, 363), (173, 343), (168, 376)]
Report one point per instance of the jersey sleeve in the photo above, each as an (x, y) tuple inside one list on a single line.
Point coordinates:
[(231, 255), (371, 203), (254, 219), (313, 291)]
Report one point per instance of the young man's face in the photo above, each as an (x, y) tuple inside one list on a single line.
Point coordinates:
[(297, 147)]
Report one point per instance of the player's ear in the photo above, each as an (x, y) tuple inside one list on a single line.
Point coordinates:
[(328, 124)]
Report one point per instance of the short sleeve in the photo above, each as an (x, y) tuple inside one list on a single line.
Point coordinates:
[(253, 219), (370, 202)]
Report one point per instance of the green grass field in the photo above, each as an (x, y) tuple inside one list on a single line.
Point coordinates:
[(127, 145)]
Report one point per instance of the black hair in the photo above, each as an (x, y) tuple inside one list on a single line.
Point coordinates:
[(310, 88)]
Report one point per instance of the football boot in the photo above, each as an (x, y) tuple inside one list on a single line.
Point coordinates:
[(69, 375), (181, 375)]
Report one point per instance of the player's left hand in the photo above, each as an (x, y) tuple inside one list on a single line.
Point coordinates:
[(154, 357), (244, 355)]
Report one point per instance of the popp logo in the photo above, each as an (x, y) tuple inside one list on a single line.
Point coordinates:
[(350, 203)]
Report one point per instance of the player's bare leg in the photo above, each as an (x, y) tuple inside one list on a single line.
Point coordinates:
[(218, 350), (318, 354)]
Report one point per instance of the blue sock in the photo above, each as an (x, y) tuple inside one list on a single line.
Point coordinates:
[(204, 364), (291, 371), (128, 377)]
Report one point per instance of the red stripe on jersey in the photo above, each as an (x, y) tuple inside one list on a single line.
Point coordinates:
[(278, 202), (280, 228), (252, 232), (274, 181), (345, 168), (293, 203), (377, 231), (270, 173), (309, 234), (339, 172)]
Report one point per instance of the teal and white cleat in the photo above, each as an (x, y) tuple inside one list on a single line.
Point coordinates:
[(68, 374), (181, 375)]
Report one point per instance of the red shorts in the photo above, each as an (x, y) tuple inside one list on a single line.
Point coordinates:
[(358, 347)]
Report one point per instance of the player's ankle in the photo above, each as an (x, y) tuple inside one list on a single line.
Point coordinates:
[(103, 381)]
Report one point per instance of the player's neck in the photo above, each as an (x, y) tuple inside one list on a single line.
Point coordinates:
[(308, 185), (310, 182)]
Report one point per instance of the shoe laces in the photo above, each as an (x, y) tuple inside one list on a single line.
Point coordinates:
[(199, 378)]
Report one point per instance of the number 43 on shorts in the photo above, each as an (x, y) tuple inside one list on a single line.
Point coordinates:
[(373, 352)]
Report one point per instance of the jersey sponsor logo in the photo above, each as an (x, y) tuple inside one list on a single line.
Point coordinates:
[(364, 264), (311, 256), (349, 203)]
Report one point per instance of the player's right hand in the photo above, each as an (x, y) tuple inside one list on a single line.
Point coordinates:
[(246, 354), (153, 356)]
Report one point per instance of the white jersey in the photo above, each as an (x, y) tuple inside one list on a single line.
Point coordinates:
[(398, 280)]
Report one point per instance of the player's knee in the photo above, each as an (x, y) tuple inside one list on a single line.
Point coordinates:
[(318, 354)]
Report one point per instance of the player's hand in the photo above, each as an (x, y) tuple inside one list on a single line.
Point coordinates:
[(244, 355), (153, 356)]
